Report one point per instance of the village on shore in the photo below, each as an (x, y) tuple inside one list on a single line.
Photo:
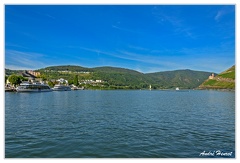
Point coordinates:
[(33, 77), (109, 78)]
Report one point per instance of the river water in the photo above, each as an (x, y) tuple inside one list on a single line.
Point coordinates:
[(120, 124)]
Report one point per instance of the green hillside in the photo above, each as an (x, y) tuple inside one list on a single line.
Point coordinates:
[(67, 68), (121, 78), (225, 80), (179, 78), (10, 72), (229, 73)]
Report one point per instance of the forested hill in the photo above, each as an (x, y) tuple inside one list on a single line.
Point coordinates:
[(224, 80), (121, 78), (126, 78), (71, 68), (179, 78)]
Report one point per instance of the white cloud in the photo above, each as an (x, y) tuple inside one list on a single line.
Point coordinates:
[(15, 67), (125, 29), (177, 23), (23, 60), (50, 16), (223, 11), (219, 15), (145, 57), (138, 48)]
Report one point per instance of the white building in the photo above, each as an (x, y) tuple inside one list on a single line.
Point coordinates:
[(61, 81)]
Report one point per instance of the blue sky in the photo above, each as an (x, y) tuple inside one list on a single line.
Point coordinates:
[(146, 38)]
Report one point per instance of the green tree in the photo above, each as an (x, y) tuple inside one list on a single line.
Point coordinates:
[(75, 80), (14, 79), (44, 78), (23, 78), (70, 82), (51, 84)]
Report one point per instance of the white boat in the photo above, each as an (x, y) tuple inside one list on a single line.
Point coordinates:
[(61, 88), (177, 89), (33, 87)]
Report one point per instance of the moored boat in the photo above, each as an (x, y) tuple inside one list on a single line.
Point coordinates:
[(33, 87), (61, 88)]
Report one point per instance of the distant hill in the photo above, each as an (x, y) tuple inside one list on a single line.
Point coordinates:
[(67, 68), (225, 80), (184, 79), (121, 78), (10, 72)]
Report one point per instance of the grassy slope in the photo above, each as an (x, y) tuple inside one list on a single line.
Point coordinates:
[(225, 80), (229, 73)]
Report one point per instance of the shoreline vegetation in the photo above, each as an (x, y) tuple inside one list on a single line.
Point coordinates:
[(113, 78)]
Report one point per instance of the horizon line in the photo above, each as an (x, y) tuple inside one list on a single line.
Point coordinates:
[(112, 67)]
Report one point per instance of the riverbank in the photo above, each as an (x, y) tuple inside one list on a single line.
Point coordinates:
[(10, 89), (217, 89)]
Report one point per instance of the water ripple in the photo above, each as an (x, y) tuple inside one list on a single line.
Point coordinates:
[(119, 124)]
